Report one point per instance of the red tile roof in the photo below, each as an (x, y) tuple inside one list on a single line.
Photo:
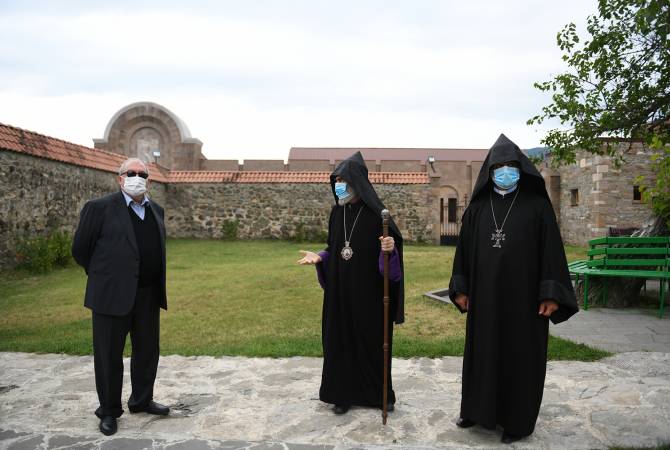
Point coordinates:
[(28, 142), (31, 143), (290, 177)]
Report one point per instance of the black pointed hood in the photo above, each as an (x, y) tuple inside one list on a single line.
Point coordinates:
[(502, 151), (354, 171)]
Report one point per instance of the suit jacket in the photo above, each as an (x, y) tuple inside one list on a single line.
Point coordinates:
[(105, 246)]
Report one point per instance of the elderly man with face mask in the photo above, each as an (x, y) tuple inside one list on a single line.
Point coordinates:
[(120, 243), (510, 276)]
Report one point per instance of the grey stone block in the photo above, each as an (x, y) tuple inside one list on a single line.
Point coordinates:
[(10, 434), (30, 443), (127, 444)]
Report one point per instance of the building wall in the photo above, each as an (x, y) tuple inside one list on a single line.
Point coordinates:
[(455, 175), (297, 165), (41, 196), (147, 127), (402, 166), (280, 211), (371, 164), (263, 165), (225, 165), (605, 195)]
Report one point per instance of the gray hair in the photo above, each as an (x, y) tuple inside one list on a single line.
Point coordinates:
[(124, 165)]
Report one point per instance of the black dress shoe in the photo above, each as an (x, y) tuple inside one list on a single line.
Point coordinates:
[(390, 407), (465, 423), (341, 409), (152, 408), (508, 438), (108, 425)]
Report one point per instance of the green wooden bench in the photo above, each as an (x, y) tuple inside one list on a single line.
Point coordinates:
[(628, 257)]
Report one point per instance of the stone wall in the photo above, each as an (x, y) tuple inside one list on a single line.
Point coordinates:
[(282, 211), (40, 196), (605, 195)]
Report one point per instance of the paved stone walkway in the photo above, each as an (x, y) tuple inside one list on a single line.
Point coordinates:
[(47, 401), (618, 330)]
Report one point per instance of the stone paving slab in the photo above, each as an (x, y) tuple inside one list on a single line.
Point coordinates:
[(47, 401), (617, 330)]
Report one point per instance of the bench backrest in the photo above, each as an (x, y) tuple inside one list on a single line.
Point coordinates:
[(627, 252)]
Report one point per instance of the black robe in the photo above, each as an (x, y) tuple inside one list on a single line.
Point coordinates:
[(353, 320), (504, 363)]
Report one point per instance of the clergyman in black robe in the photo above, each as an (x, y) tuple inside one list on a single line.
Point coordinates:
[(353, 320), (511, 277)]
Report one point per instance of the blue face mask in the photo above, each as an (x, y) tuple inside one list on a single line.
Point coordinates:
[(506, 177), (341, 190)]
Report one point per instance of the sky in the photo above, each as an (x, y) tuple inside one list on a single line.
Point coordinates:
[(253, 78)]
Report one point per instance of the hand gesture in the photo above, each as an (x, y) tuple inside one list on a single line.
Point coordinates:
[(547, 307), (387, 243), (463, 301), (309, 258)]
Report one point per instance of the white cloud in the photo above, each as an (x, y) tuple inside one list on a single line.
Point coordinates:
[(252, 83)]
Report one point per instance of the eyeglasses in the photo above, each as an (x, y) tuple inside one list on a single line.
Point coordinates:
[(132, 173)]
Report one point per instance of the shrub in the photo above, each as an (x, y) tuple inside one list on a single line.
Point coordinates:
[(33, 254), (60, 245), (304, 233), (299, 235), (43, 253), (230, 229)]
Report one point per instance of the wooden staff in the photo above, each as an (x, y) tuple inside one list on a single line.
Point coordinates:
[(385, 225)]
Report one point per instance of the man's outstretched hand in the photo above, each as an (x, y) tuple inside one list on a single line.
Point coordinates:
[(309, 258)]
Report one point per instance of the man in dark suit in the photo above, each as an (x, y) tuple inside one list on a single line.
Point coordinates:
[(120, 243)]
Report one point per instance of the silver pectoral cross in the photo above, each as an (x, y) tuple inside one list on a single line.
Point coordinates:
[(497, 236)]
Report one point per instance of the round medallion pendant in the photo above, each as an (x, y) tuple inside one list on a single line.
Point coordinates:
[(347, 253)]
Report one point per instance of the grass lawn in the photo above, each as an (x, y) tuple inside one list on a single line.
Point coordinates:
[(240, 298)]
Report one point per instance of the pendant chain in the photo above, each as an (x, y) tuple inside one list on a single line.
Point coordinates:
[(494, 214), (348, 240)]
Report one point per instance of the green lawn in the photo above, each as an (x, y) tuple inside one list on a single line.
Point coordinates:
[(239, 298)]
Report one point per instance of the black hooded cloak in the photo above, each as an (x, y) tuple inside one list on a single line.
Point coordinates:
[(504, 363), (353, 320)]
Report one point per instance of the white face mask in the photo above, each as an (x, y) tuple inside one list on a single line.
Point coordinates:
[(134, 186)]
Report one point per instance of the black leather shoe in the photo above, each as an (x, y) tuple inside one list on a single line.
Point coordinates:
[(510, 438), (108, 425), (152, 408), (465, 423), (341, 409), (390, 407)]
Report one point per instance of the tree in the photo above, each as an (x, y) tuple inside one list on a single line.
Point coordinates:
[(617, 86)]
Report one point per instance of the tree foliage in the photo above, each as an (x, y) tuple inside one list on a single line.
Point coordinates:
[(617, 85)]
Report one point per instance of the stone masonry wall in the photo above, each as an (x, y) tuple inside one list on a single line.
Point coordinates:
[(605, 195), (39, 196), (281, 211)]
